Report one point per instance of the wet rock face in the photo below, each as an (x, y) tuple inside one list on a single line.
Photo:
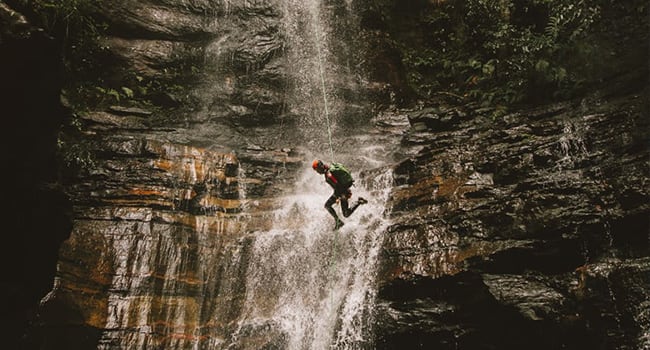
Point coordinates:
[(160, 230), (542, 213), (196, 60)]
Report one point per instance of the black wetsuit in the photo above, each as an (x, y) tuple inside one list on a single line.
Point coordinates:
[(341, 193)]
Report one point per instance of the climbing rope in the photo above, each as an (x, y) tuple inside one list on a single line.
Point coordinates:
[(334, 257), (325, 104)]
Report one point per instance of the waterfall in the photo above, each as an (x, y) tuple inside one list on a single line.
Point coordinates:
[(310, 283), (307, 285), (313, 71)]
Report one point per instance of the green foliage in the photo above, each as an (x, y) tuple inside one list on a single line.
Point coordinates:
[(73, 155), (503, 52), (127, 92)]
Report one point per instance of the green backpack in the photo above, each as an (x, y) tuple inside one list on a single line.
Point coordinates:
[(341, 174)]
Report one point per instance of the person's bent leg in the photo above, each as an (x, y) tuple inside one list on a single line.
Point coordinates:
[(348, 211), (328, 205), (345, 209)]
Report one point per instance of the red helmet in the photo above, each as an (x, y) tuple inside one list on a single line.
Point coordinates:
[(317, 164)]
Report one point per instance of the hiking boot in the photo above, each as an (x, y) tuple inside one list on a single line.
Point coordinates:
[(338, 224), (362, 200)]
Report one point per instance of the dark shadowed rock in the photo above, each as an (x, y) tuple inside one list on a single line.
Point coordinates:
[(37, 214), (535, 201)]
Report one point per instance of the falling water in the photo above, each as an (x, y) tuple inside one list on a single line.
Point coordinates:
[(308, 286), (309, 283), (314, 73)]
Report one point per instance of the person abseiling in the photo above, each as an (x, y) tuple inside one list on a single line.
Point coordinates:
[(337, 176)]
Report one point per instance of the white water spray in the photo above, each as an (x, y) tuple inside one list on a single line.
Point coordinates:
[(313, 284), (307, 286)]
